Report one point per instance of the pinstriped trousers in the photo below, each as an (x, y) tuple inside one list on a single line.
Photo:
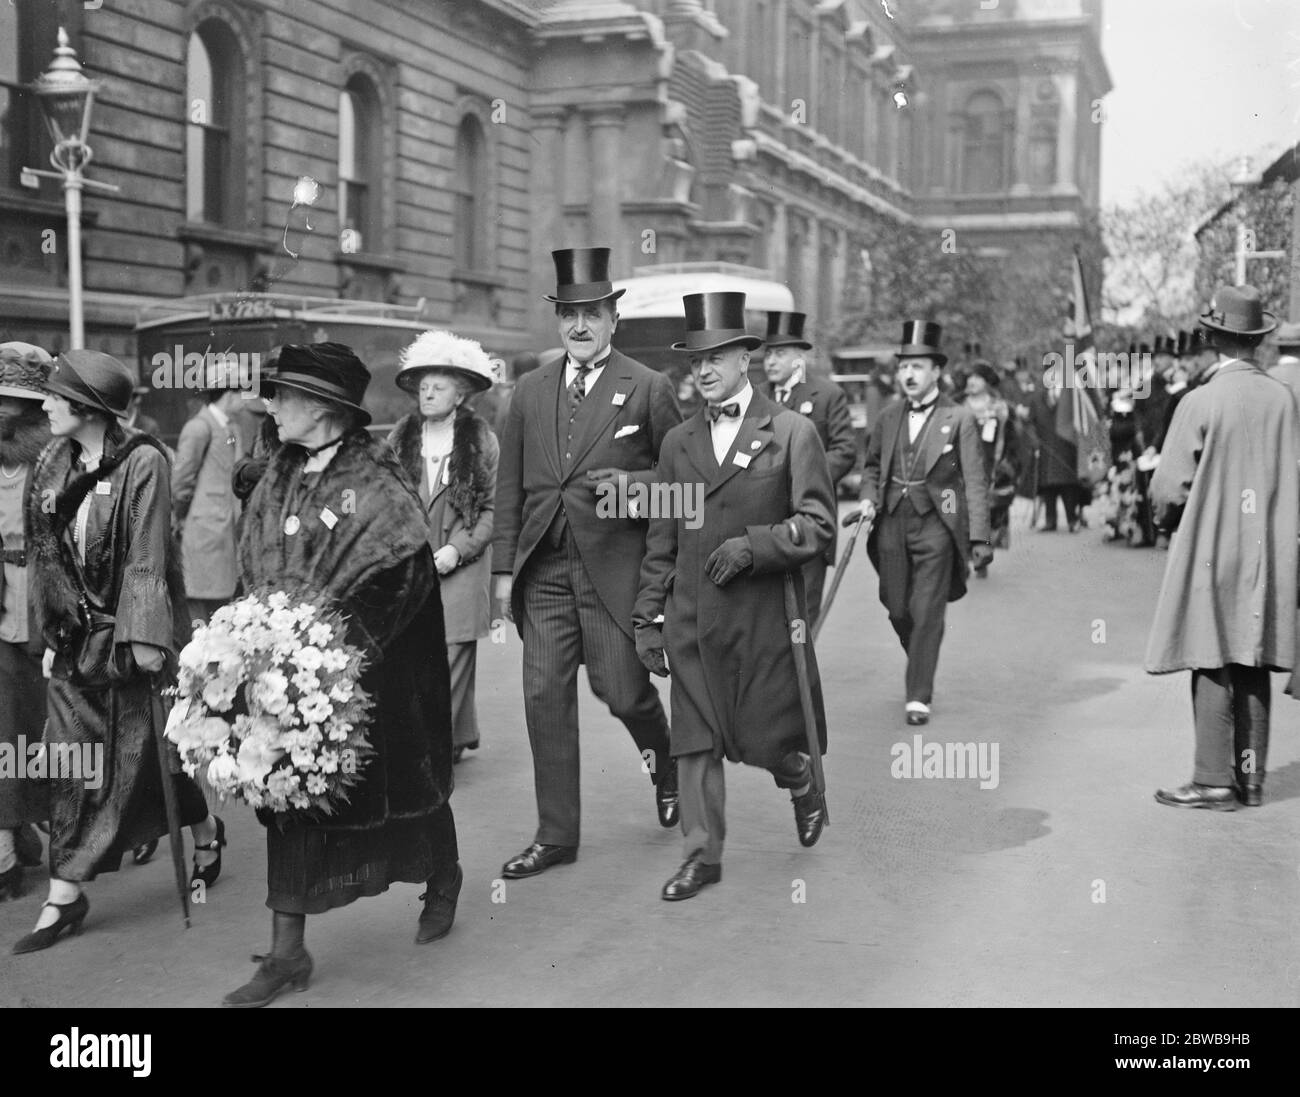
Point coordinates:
[(565, 624)]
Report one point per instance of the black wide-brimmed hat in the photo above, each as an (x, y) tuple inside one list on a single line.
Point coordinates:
[(23, 370), (984, 370), (329, 371), (715, 320), (921, 340), (93, 378), (1238, 310), (785, 329), (582, 277)]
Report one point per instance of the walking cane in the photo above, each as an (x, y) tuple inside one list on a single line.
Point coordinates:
[(855, 520), (805, 694), (169, 794)]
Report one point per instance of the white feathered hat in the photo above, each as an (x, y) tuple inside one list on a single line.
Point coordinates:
[(442, 350)]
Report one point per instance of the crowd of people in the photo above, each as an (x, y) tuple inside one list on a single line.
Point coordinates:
[(115, 548)]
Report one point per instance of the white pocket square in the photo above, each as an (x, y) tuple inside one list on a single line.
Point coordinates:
[(623, 432), (946, 448)]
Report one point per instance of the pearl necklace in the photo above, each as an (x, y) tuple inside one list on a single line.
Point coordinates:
[(11, 475)]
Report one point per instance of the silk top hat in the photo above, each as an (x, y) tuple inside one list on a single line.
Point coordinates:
[(1164, 345), (441, 350), (23, 369), (715, 320), (1238, 310), (93, 378), (1288, 335), (1184, 343), (921, 340), (329, 371), (582, 276), (785, 329)]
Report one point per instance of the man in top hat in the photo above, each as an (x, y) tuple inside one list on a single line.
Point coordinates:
[(1287, 367), (924, 480), (205, 510), (582, 430), (1228, 481), (823, 402), (712, 604), (24, 432)]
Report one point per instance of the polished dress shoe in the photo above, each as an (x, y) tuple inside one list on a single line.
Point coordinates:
[(275, 975), (439, 910), (538, 858), (71, 917), (459, 752), (1192, 795), (142, 855), (809, 817), (1251, 795), (209, 873), (917, 713), (687, 880), (666, 797)]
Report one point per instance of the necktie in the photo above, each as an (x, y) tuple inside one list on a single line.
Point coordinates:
[(717, 411), (578, 388), (921, 408), (783, 396)]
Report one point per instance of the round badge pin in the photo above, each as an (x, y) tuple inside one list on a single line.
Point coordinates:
[(291, 525)]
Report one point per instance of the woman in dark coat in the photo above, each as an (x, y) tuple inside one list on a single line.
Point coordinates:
[(450, 456), (983, 396), (334, 514), (109, 603)]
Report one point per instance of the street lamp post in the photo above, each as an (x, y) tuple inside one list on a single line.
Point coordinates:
[(66, 97)]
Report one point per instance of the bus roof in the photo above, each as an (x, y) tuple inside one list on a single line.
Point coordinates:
[(652, 294), (279, 306)]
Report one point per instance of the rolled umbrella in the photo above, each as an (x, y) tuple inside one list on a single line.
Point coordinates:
[(799, 647), (169, 796)]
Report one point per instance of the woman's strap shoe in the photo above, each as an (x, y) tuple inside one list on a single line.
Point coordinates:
[(439, 910), (71, 917), (209, 873), (273, 977)]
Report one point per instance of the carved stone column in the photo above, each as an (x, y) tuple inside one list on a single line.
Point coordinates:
[(605, 125), (546, 182), (1067, 135)]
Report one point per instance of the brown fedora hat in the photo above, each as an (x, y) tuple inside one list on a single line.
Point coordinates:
[(1238, 310)]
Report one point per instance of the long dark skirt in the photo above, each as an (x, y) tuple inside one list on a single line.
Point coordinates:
[(115, 802), (23, 799), (310, 870)]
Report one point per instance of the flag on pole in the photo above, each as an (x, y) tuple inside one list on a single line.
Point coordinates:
[(1077, 418)]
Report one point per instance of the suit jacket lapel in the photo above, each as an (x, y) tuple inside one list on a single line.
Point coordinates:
[(944, 415), (889, 445), (616, 377), (549, 390), (754, 428), (699, 446)]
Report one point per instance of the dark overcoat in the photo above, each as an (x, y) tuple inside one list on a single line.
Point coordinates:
[(1058, 458), (370, 556), (953, 467), (733, 679), (623, 421)]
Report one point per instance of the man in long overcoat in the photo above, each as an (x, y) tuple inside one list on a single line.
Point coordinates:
[(1229, 482), (713, 583), (924, 476), (567, 556), (822, 401)]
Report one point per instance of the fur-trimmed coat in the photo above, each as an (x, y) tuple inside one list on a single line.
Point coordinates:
[(370, 556), (461, 514)]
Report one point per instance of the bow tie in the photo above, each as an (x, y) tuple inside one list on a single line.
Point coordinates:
[(918, 409), (717, 411)]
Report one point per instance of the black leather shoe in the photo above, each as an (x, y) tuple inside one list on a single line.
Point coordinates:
[(687, 880), (538, 858), (1192, 795), (917, 717), (666, 797), (809, 817), (439, 910), (459, 752), (209, 873), (142, 855), (273, 977), (1251, 795), (71, 917)]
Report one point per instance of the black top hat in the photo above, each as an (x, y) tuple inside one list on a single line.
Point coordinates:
[(93, 378), (1144, 348), (1184, 343), (330, 371), (1238, 310), (582, 276), (785, 329), (921, 340), (715, 320)]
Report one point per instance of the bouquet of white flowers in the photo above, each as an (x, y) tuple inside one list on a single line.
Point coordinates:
[(269, 701)]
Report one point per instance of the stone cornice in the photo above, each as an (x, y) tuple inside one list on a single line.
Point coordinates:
[(800, 163)]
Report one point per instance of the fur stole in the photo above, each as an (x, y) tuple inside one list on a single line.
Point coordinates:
[(470, 489), (30, 436)]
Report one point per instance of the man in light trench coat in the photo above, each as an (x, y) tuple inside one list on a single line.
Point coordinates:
[(1229, 482)]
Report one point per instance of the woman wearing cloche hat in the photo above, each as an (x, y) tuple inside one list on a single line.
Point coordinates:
[(450, 454)]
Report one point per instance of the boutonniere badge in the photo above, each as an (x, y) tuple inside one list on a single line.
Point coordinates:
[(620, 398), (329, 518), (805, 408), (742, 459), (944, 429)]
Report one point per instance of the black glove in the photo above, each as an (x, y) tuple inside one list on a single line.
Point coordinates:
[(981, 555), (650, 649), (728, 560)]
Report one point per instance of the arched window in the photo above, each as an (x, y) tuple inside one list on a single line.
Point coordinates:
[(360, 133), (470, 188), (984, 147), (214, 136)]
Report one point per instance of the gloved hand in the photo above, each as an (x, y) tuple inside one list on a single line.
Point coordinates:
[(650, 649), (981, 555), (728, 560)]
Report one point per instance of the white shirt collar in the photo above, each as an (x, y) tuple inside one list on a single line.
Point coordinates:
[(318, 462), (926, 403), (796, 378), (744, 397)]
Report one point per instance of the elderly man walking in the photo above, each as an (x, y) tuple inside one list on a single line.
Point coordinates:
[(1228, 481)]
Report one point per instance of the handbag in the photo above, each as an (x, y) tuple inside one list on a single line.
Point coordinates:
[(96, 663)]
